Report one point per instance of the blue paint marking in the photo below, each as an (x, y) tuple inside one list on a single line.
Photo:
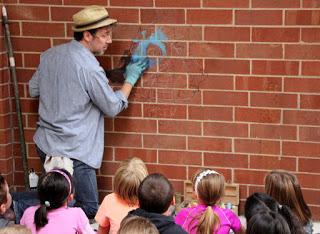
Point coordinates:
[(140, 53)]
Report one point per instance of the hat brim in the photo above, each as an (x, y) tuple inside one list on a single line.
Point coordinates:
[(104, 23)]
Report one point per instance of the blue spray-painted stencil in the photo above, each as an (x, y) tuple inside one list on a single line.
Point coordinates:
[(157, 38)]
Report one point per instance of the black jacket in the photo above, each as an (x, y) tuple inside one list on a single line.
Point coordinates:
[(165, 224)]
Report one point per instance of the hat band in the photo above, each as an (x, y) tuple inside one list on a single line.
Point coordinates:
[(92, 23)]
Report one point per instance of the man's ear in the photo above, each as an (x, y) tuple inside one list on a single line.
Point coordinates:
[(87, 36), (3, 208)]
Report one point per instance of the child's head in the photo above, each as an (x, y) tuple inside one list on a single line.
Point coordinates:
[(128, 178), (15, 229), (137, 225), (209, 186), (285, 188), (55, 188), (267, 222), (155, 193), (5, 197)]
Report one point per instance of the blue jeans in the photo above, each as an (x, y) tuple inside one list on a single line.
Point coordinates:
[(23, 200), (85, 183)]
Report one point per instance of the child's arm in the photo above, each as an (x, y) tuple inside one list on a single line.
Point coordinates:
[(103, 230)]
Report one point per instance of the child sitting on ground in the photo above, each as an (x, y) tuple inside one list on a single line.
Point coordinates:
[(116, 205), (285, 188), (208, 217), (55, 190), (155, 197), (137, 225), (15, 229), (5, 203)]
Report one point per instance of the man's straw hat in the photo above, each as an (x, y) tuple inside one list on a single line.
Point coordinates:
[(91, 17)]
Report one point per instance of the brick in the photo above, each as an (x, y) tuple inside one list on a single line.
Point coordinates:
[(311, 3), (300, 149), (164, 142), (109, 168), (4, 91), (181, 65), (311, 68), (275, 34), (148, 156), (164, 111), (210, 113), (218, 50), (302, 52), (118, 47), (271, 163), (184, 33), (209, 144), (249, 177), (5, 151), (179, 127), (120, 139), (104, 183), (273, 131), (301, 117), (275, 67), (302, 17), (159, 80), (162, 16), (180, 157), (34, 13), (225, 172), (43, 29), (135, 125), (257, 146), (31, 60), (6, 165), (177, 3), (225, 160), (133, 110), (171, 172), (309, 181), (136, 3), (143, 94), (129, 31), (29, 105), (49, 2), (225, 129), (259, 51), (277, 100), (309, 134), (63, 13), (310, 34), (302, 85), (276, 4), (258, 83), (210, 82), (309, 165), (227, 34), (30, 44), (310, 101), (124, 15), (226, 3), (108, 154), (311, 196), (209, 16), (5, 136), (225, 98), (83, 2), (5, 121), (227, 66), (257, 115), (179, 96), (177, 49), (258, 17)]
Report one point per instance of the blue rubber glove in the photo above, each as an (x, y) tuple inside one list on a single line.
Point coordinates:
[(134, 70)]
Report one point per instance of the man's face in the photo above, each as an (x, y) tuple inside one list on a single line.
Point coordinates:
[(6, 206), (101, 40)]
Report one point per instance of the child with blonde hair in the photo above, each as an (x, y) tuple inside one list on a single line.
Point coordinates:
[(124, 198), (207, 217), (15, 229), (137, 225), (285, 188)]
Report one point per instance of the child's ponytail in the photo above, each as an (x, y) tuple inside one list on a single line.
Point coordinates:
[(208, 222), (40, 217)]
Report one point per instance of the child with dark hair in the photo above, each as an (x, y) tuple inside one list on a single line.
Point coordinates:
[(285, 188), (267, 222), (262, 202), (208, 217), (55, 190), (5, 202), (155, 196)]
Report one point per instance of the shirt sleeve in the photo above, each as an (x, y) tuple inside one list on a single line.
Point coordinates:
[(84, 225), (181, 217), (101, 217), (34, 84), (102, 95), (234, 220)]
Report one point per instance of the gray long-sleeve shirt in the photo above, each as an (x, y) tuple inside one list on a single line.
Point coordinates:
[(74, 96)]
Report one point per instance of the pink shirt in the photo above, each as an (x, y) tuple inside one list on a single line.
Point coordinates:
[(228, 219), (64, 220), (111, 212)]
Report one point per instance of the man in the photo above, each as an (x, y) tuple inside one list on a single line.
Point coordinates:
[(74, 96)]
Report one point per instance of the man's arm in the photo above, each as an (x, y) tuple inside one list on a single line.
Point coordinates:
[(126, 89), (34, 85)]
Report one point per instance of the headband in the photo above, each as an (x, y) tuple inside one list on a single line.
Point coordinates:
[(65, 176), (203, 174)]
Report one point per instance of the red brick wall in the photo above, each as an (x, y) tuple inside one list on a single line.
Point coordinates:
[(237, 91)]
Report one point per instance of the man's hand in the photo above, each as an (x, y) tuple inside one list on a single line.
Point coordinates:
[(134, 70)]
